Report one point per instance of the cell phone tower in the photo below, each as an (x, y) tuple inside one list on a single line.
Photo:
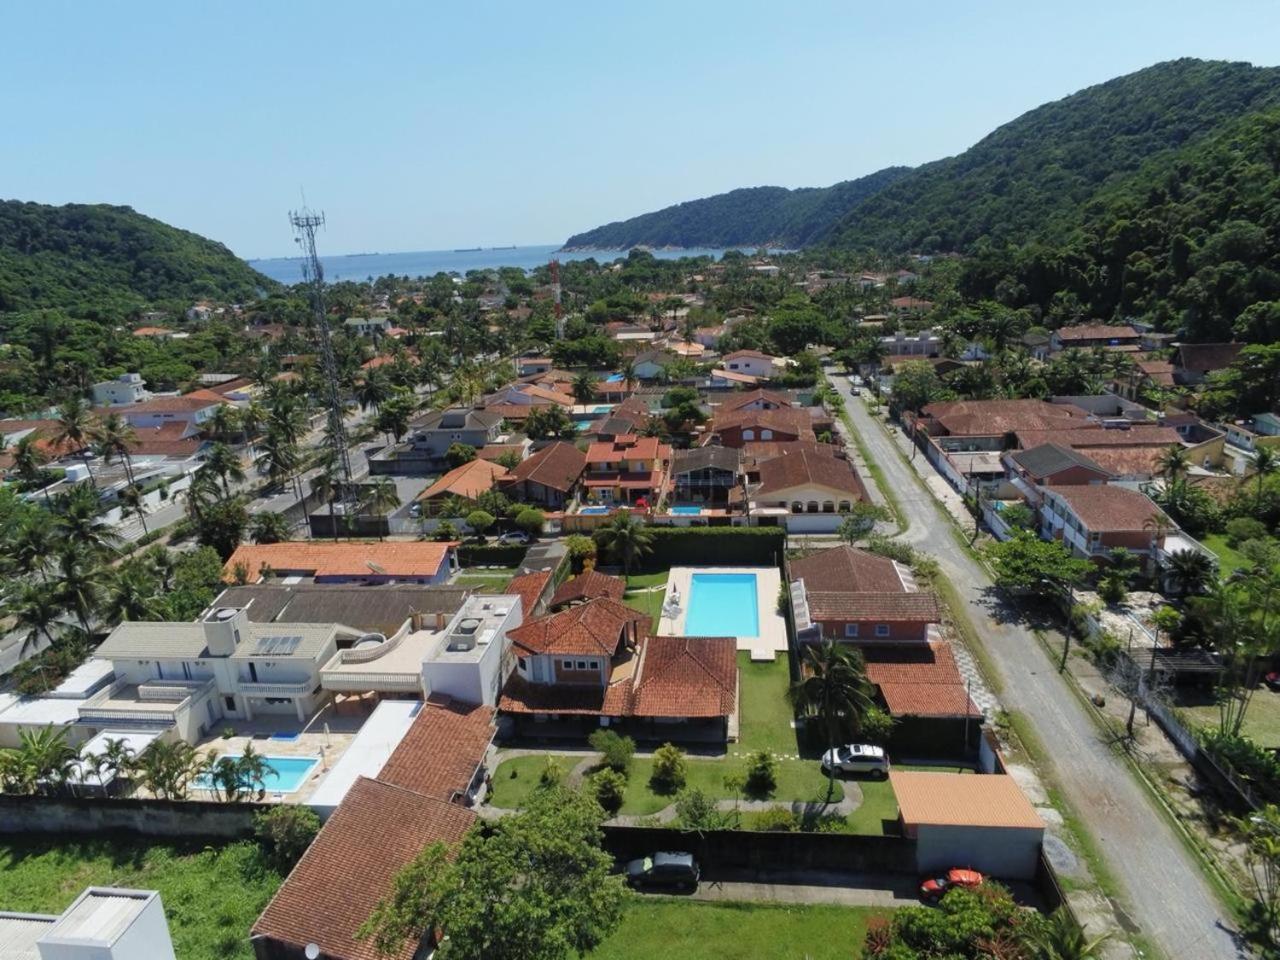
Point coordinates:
[(305, 223)]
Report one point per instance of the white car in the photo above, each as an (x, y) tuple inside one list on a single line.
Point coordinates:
[(857, 758), (515, 536), (855, 381)]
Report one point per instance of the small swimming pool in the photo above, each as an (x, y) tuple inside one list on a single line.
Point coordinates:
[(686, 511), (722, 605), (286, 776), (593, 511), (605, 409), (613, 378)]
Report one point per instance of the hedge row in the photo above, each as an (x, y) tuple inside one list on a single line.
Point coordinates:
[(491, 554), (711, 546)]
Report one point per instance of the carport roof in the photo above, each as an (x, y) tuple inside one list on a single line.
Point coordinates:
[(936, 799)]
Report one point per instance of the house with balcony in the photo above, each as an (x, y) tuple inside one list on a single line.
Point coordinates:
[(124, 389), (1093, 519), (857, 597), (549, 478), (186, 677), (368, 326), (1050, 465), (627, 469), (705, 475), (432, 436)]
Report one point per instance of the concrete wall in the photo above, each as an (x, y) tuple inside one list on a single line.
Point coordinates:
[(1004, 852), (150, 818)]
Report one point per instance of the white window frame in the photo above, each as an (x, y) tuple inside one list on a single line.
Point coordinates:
[(851, 630), (882, 630)]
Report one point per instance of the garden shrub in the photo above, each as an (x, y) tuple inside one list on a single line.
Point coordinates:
[(552, 773), (609, 787), (1244, 528), (617, 749), (778, 819), (669, 769), (762, 773), (285, 832)]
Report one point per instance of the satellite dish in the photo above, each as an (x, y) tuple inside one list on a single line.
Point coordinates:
[(311, 951)]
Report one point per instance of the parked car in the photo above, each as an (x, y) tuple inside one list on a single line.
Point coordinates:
[(514, 536), (855, 380), (934, 887), (857, 758), (678, 871)]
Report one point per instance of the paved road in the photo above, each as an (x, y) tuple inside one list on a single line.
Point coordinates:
[(1165, 894)]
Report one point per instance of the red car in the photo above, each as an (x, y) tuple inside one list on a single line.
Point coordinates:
[(934, 887)]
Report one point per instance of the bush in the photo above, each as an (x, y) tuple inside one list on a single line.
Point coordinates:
[(552, 773), (876, 727), (580, 549), (608, 787), (696, 810), (669, 769), (1244, 528), (491, 554), (692, 546), (531, 521), (888, 547), (285, 832), (480, 521), (778, 819), (616, 748), (762, 773), (1111, 587)]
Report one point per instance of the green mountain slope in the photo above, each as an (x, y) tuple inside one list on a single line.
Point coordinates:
[(1031, 175), (85, 255), (753, 216)]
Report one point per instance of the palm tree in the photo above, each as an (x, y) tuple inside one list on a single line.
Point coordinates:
[(132, 596), (1189, 571), (1173, 462), (116, 437), (584, 388), (224, 423), (79, 585), (833, 689), (48, 757), (80, 521), (379, 498), (116, 758), (168, 767), (627, 538), (29, 461), (223, 462), (1265, 462), (30, 546), (628, 374), (35, 613), (279, 457), (75, 428), (269, 528), (201, 494), (1059, 937), (133, 502), (373, 390)]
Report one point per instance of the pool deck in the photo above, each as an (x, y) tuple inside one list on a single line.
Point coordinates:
[(773, 628)]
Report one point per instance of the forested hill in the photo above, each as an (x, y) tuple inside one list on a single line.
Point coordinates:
[(1032, 174), (750, 217), (91, 256)]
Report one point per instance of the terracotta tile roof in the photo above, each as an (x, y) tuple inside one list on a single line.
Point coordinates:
[(847, 569), (1104, 508), (887, 607), (928, 700), (551, 396), (809, 469), (981, 418), (187, 403), (558, 466), (467, 481), (733, 376), (1204, 357), (787, 420), (748, 354), (442, 749), (589, 586), (1157, 371), (918, 663), (520, 696), (1121, 462), (1049, 459), (376, 830), (1097, 331), (910, 303), (529, 587), (753, 396), (686, 677), (152, 332), (405, 559), (511, 411), (628, 447), (962, 800), (492, 451), (762, 450), (1151, 435), (590, 628)]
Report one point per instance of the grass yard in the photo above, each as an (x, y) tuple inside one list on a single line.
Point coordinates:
[(640, 597), (655, 928), (764, 711), (211, 893), (1261, 721), (495, 584), (1229, 559), (638, 581), (797, 780)]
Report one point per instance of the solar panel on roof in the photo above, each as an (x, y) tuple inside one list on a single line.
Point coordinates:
[(277, 646)]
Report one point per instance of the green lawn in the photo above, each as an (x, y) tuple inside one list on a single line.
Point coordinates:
[(516, 778), (656, 928), (640, 597), (1229, 559), (638, 581), (800, 780), (212, 893), (1261, 720), (765, 712), (496, 584)]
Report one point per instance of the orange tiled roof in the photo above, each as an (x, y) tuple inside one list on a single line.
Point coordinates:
[(408, 559), (558, 466), (686, 677), (919, 663), (589, 586), (889, 607), (1105, 508), (804, 469), (1097, 331), (963, 800), (442, 749), (467, 481), (592, 628), (847, 569), (928, 700), (529, 587)]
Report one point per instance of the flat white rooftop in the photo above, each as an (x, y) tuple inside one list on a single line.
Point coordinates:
[(88, 678), (19, 933), (42, 710), (366, 754), (99, 916)]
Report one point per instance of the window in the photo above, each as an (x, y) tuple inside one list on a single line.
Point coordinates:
[(797, 507), (882, 629), (766, 434), (850, 629), (523, 663), (748, 434), (566, 664), (230, 702), (582, 664)]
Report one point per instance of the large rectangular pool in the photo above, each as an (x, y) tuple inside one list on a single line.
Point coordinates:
[(287, 774), (722, 605)]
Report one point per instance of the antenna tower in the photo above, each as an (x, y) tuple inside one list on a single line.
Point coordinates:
[(555, 293), (305, 223)]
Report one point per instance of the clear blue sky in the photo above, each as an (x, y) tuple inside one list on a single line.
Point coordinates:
[(432, 125)]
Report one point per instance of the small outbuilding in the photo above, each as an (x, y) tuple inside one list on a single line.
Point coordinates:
[(983, 822)]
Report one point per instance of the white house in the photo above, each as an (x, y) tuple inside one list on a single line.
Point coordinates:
[(193, 408), (103, 923), (926, 343), (753, 363), (368, 326), (126, 388), (472, 659)]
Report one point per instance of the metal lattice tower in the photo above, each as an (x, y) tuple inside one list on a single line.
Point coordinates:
[(305, 223)]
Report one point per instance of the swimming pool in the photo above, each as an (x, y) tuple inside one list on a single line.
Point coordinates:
[(722, 605), (287, 773), (613, 378), (686, 511), (604, 409), (593, 511)]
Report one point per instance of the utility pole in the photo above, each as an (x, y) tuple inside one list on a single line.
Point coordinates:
[(305, 223)]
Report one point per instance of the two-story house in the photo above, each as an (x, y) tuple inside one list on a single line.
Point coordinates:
[(705, 475), (368, 326), (549, 478), (435, 433), (752, 363), (1092, 520), (858, 597), (627, 469), (126, 388)]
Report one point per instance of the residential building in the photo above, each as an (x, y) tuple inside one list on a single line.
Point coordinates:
[(754, 400), (1092, 520), (730, 379), (534, 590), (548, 478), (847, 594), (350, 562), (585, 587), (734, 428), (124, 389), (926, 343), (435, 433), (651, 364), (910, 305), (466, 483), (472, 661), (806, 482), (1087, 335), (103, 923), (981, 821), (921, 687), (1050, 464), (529, 366), (372, 609), (627, 469), (368, 326), (1195, 361), (194, 408), (752, 363), (705, 475)]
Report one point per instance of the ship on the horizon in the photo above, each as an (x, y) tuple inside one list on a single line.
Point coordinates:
[(511, 247), (468, 249)]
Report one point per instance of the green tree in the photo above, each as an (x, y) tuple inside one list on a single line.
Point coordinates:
[(378, 499), (1025, 563), (860, 521), (223, 463), (413, 907), (669, 769), (480, 522), (531, 520), (616, 750), (285, 832), (609, 788), (75, 428), (834, 690), (1059, 937), (1266, 461), (626, 538), (915, 385), (458, 454), (584, 388), (269, 527)]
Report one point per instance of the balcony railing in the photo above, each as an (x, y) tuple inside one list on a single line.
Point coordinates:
[(344, 681), (258, 689)]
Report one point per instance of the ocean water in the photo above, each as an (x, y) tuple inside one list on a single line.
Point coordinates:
[(427, 263)]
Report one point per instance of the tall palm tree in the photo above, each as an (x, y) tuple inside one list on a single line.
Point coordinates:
[(584, 388), (132, 596), (378, 499), (834, 689), (279, 457), (627, 538), (373, 390), (75, 428), (132, 502), (30, 546), (1059, 937), (116, 437), (201, 494), (80, 521), (269, 528), (48, 757), (80, 583), (224, 423), (223, 461), (35, 613), (1173, 462), (29, 461), (1189, 571), (1266, 461)]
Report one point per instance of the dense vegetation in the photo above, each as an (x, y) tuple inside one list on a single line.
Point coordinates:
[(750, 217), (89, 255)]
